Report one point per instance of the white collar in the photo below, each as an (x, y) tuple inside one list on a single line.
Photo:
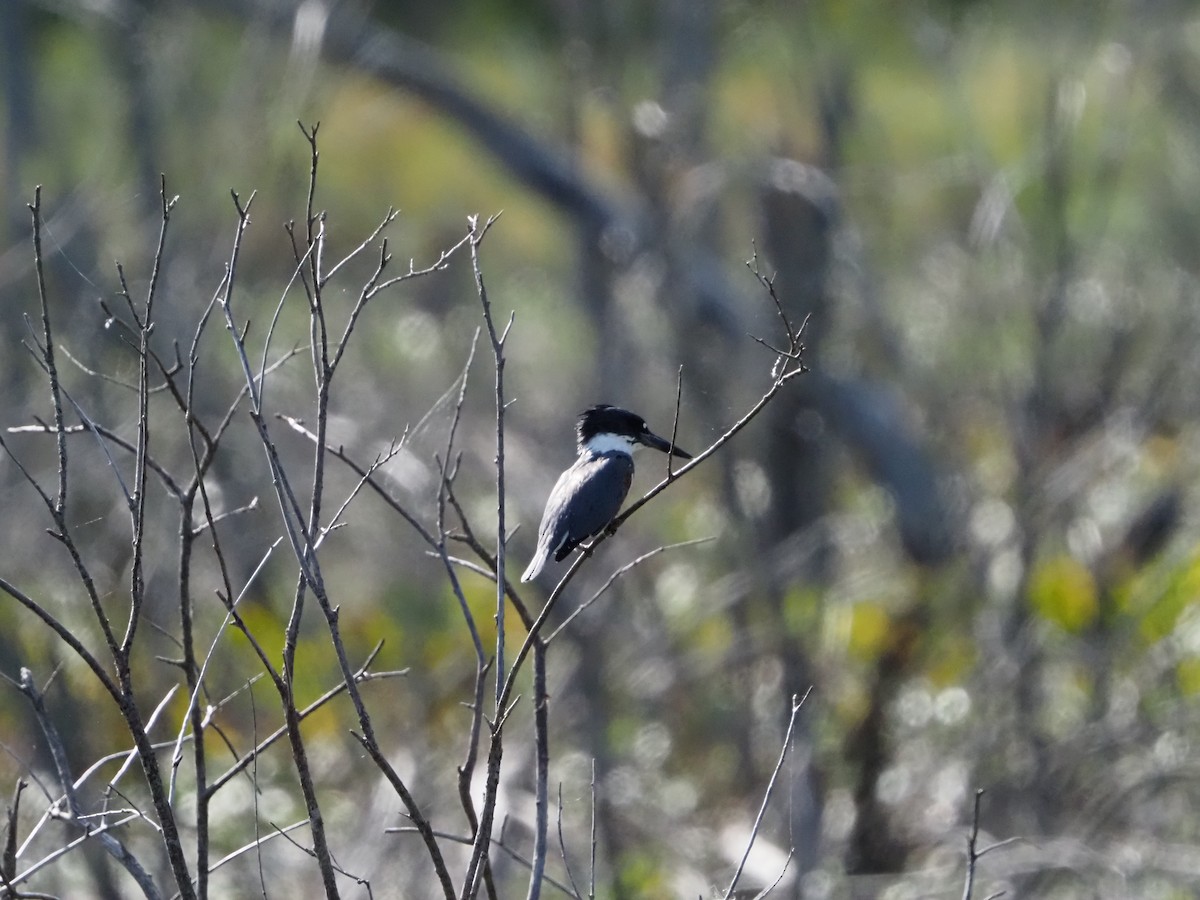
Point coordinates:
[(607, 442)]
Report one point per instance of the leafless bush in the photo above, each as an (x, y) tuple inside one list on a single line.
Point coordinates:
[(183, 540)]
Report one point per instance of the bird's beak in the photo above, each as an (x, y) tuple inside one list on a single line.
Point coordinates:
[(650, 439)]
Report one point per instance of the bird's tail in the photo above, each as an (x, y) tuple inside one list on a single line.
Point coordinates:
[(537, 563)]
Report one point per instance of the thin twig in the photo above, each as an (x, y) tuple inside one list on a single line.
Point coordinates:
[(137, 587), (761, 895), (479, 852), (103, 376), (62, 851), (110, 436), (499, 844), (35, 209), (592, 857), (363, 675), (483, 665), (388, 218), (66, 636), (974, 854), (469, 538), (670, 454), (562, 844), (413, 272), (266, 348), (100, 441), (541, 770), (797, 702), (193, 696), (444, 487), (617, 574), (497, 340), (299, 537), (256, 844)]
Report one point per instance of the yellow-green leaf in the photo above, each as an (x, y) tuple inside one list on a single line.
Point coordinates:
[(1062, 590)]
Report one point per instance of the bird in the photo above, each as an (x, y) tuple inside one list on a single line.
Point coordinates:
[(588, 495)]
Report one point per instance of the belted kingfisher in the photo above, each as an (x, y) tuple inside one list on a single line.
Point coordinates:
[(589, 494)]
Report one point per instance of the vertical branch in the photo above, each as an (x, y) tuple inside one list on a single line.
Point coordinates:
[(122, 689), (314, 241), (497, 339), (483, 834), (562, 846), (201, 462), (466, 771), (321, 368), (304, 539), (675, 423), (58, 505), (972, 855), (145, 324), (60, 434), (790, 365), (541, 728), (445, 480), (297, 534), (187, 536), (310, 568), (187, 541), (310, 218), (8, 859), (483, 837), (592, 830), (797, 702)]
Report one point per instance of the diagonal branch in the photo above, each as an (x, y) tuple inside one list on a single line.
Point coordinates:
[(117, 850), (797, 703)]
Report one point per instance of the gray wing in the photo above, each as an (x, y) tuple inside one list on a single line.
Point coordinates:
[(586, 498)]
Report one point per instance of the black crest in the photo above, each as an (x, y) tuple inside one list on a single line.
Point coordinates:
[(605, 419)]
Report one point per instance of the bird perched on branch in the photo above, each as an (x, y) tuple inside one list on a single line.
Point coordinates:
[(588, 496)]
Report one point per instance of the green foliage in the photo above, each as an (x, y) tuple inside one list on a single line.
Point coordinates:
[(1163, 597), (1063, 591)]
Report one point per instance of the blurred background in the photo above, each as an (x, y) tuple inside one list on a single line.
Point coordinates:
[(971, 528)]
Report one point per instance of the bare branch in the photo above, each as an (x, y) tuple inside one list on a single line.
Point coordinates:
[(797, 702), (35, 209), (499, 843), (117, 850), (497, 342), (974, 854), (362, 676), (388, 218), (761, 895), (444, 488), (670, 454), (541, 771), (562, 844), (256, 844), (66, 636), (112, 437), (617, 574)]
